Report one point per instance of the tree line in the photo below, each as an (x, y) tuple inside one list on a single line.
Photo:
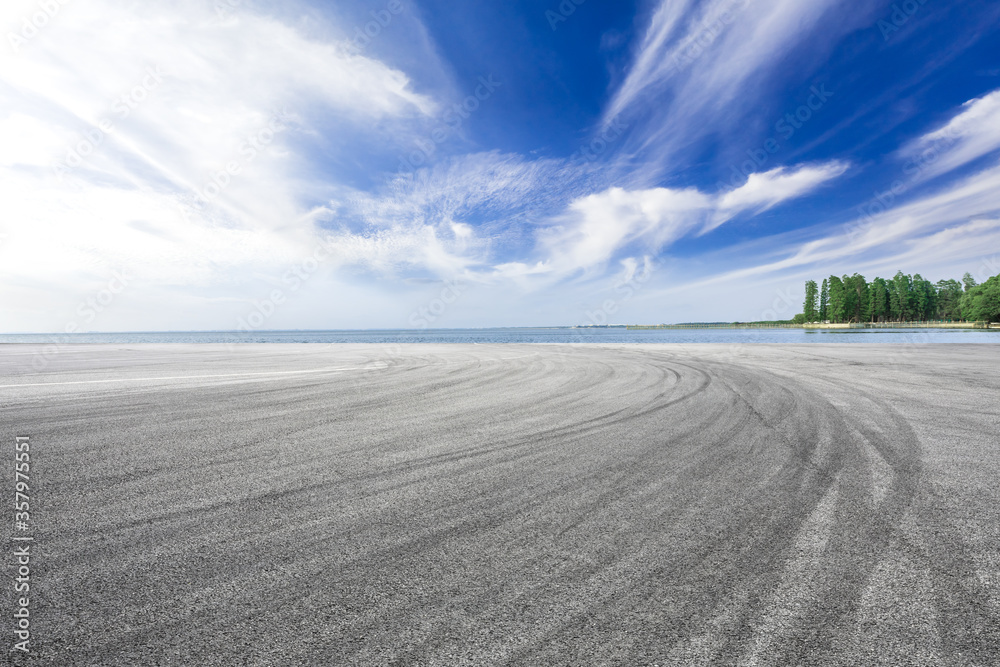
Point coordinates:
[(902, 298)]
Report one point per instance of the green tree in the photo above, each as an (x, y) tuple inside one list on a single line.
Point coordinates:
[(924, 298), (893, 300), (837, 307), (862, 298), (809, 309), (824, 298), (982, 302), (847, 312), (879, 301), (949, 296), (901, 297)]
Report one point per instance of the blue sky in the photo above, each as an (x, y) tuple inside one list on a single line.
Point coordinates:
[(225, 164)]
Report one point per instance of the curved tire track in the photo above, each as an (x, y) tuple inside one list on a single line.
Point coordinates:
[(517, 505)]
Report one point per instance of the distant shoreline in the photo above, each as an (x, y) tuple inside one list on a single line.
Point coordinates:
[(815, 325)]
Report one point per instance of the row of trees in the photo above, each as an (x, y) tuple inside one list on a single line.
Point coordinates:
[(902, 298)]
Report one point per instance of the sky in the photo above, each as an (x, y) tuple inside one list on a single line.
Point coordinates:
[(241, 164)]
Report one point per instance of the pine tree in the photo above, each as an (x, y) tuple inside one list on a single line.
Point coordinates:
[(949, 293), (925, 298), (809, 307), (902, 305), (879, 300), (836, 306), (850, 299), (899, 299), (892, 301), (862, 298)]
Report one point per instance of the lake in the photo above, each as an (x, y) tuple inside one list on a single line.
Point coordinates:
[(529, 335)]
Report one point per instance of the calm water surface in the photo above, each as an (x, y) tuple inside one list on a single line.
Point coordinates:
[(530, 335)]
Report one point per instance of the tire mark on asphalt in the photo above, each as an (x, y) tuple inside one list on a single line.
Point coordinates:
[(639, 508)]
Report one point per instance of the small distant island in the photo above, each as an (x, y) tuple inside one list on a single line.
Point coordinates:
[(903, 301)]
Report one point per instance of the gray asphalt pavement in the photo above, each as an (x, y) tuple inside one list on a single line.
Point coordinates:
[(508, 505)]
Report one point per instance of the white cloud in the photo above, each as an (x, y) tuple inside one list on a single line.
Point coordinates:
[(598, 226), (971, 134), (421, 221), (708, 55), (653, 62), (27, 141), (962, 222), (705, 71), (767, 189), (171, 95), (939, 236), (120, 120)]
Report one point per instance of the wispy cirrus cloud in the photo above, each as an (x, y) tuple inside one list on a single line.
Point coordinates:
[(214, 151), (960, 222), (425, 225), (971, 134), (767, 189), (653, 62), (118, 119), (471, 210), (742, 50), (956, 224)]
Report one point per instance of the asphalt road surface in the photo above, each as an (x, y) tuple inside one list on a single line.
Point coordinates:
[(507, 505)]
